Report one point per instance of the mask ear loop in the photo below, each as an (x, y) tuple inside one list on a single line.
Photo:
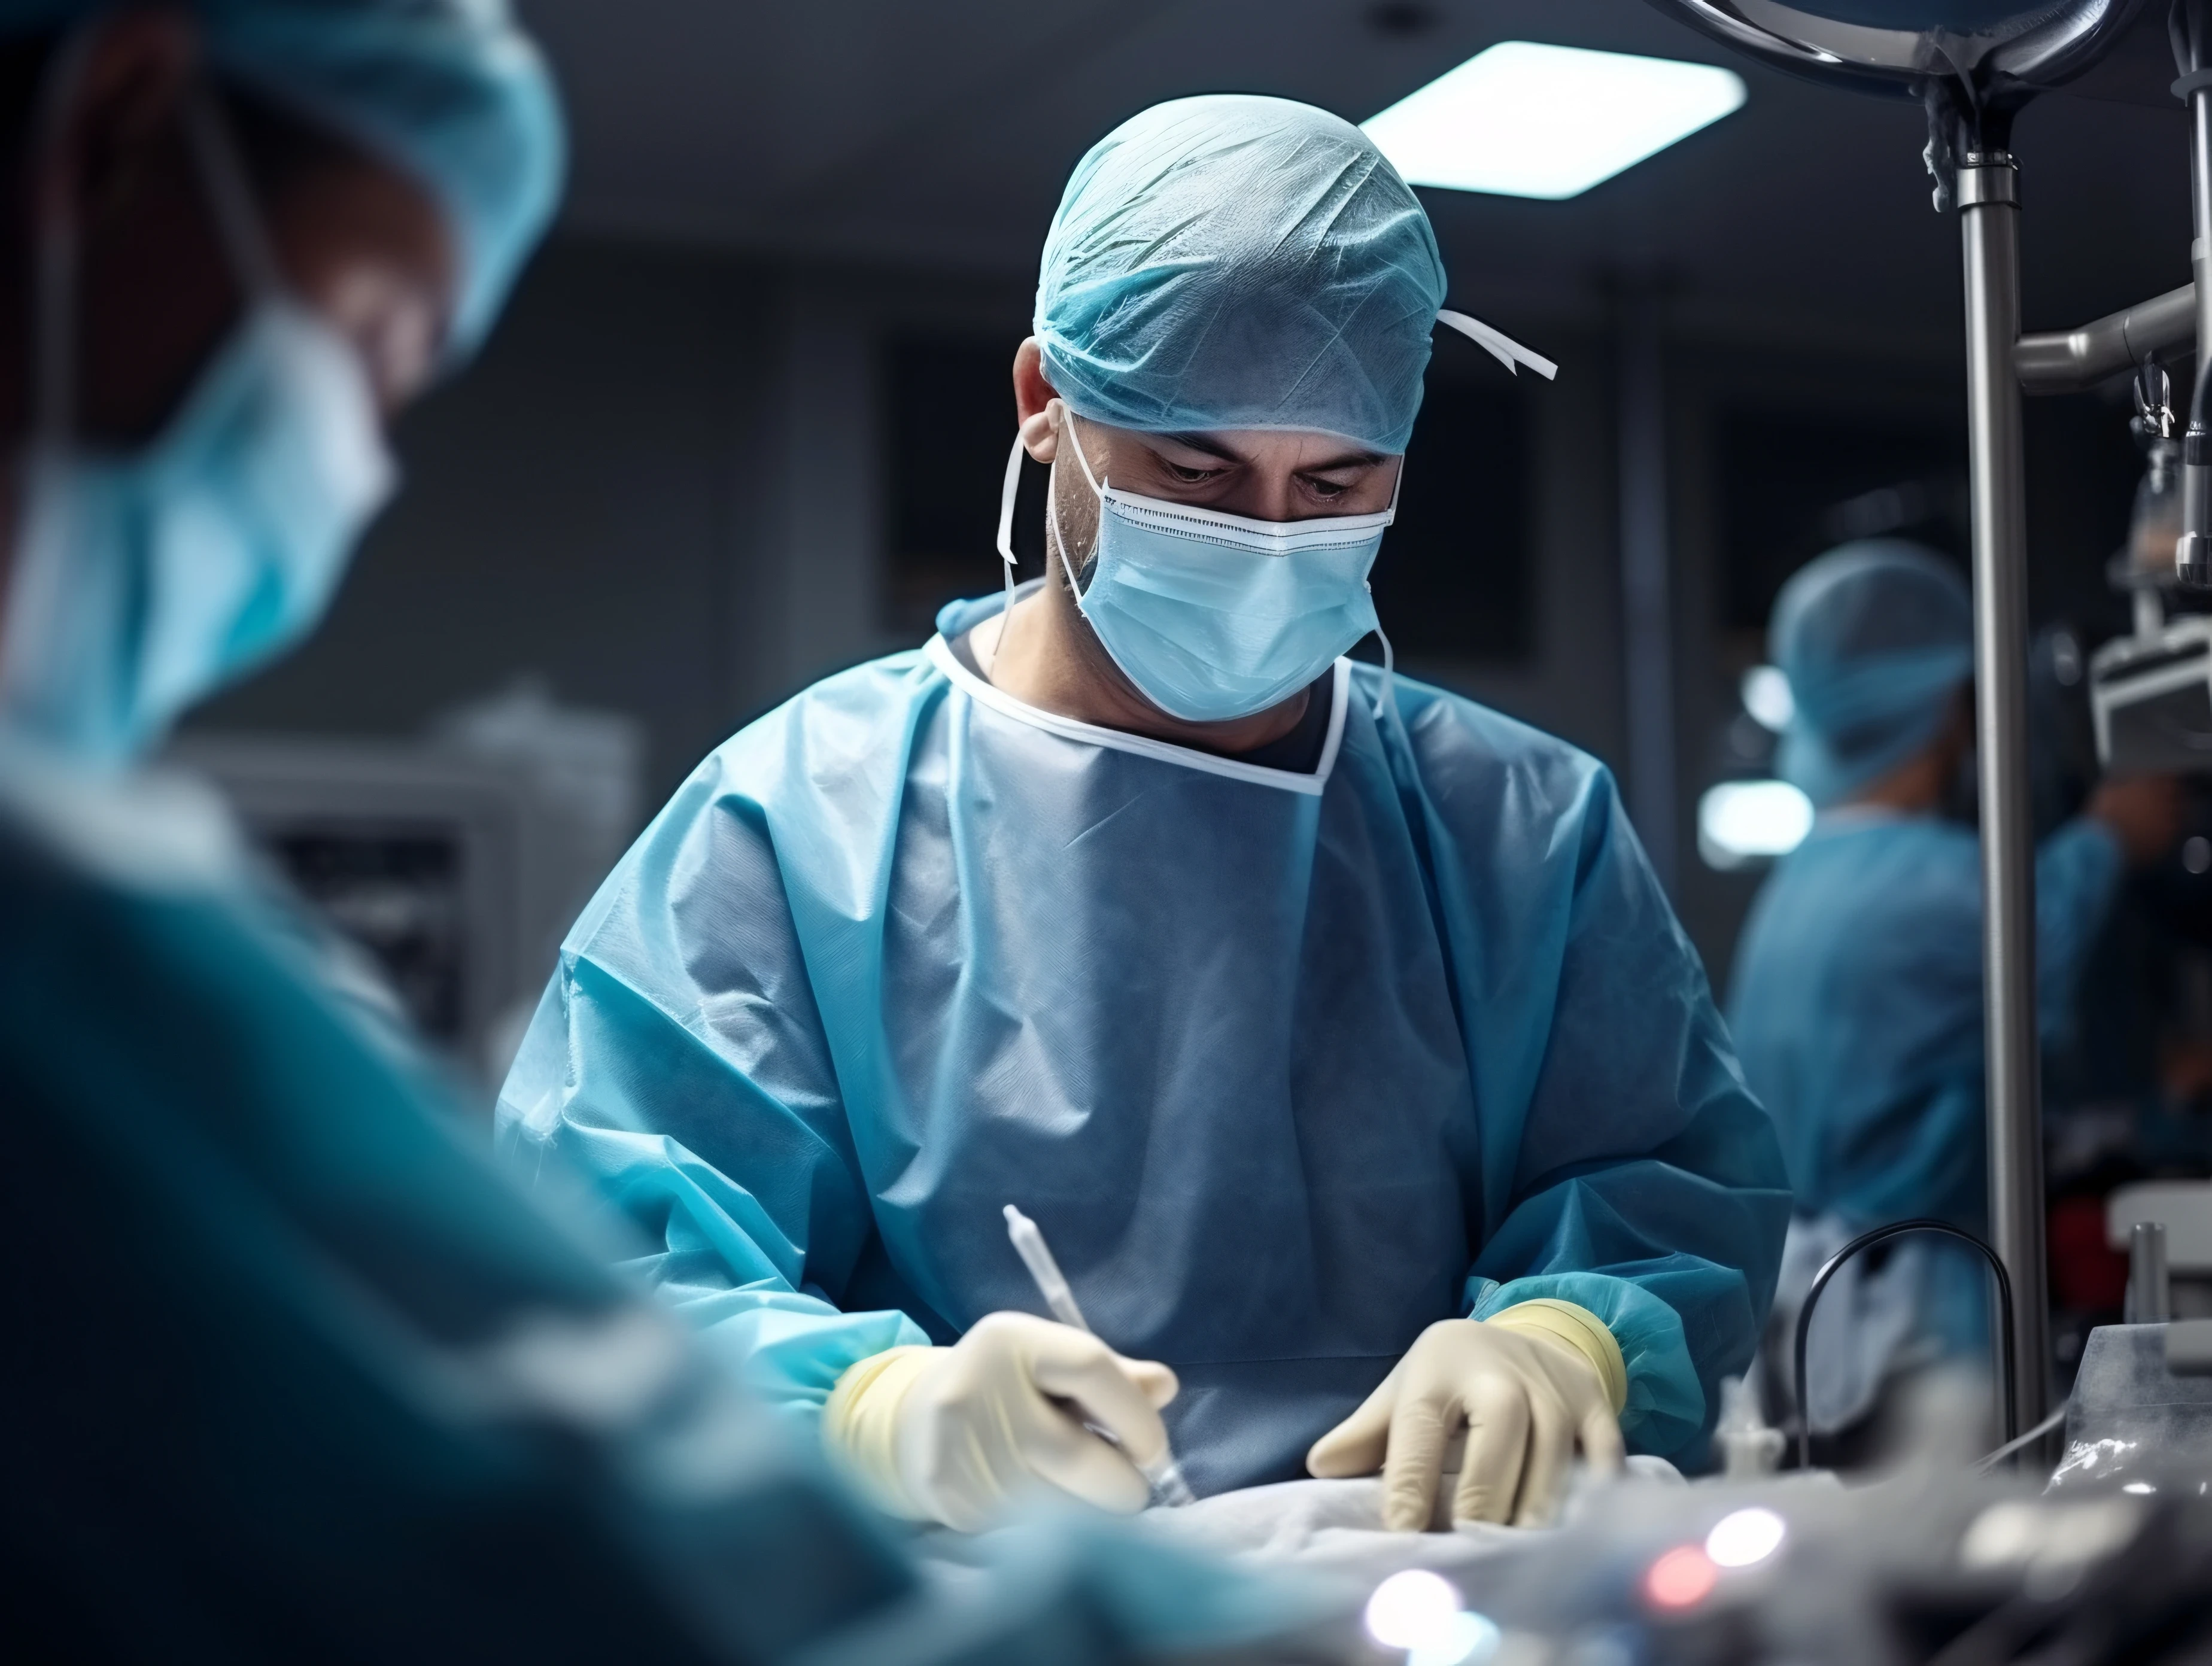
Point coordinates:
[(238, 217), (31, 579), (54, 264), (1012, 486), (1082, 462), (1385, 697), (1059, 538), (1006, 495)]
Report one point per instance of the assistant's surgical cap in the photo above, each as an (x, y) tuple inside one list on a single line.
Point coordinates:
[(450, 91), (1876, 638), (1234, 261)]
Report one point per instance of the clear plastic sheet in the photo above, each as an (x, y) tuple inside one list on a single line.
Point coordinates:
[(2132, 1424)]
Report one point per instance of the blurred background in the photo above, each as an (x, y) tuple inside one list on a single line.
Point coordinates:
[(746, 421)]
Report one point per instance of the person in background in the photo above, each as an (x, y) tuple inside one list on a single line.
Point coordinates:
[(1856, 997), (1332, 1028), (293, 1373)]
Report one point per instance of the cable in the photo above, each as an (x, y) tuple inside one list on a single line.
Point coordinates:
[(1982, 1466), (1867, 1240)]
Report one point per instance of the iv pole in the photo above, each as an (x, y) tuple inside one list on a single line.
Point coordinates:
[(1987, 187)]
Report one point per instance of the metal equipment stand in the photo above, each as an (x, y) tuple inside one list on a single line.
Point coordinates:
[(1973, 79), (1988, 227)]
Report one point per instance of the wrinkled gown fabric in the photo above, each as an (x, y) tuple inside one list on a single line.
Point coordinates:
[(301, 1375), (1285, 1065)]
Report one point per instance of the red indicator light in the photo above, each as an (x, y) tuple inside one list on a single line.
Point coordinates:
[(1682, 1578)]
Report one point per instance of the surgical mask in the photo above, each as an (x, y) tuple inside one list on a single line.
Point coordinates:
[(1215, 617), (143, 583)]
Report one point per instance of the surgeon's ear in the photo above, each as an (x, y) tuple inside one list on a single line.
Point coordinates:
[(1036, 407)]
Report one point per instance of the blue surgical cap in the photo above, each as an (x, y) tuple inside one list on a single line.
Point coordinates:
[(451, 91), (1876, 638), (1233, 262)]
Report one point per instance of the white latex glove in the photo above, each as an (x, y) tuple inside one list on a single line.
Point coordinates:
[(1526, 1392), (955, 1435)]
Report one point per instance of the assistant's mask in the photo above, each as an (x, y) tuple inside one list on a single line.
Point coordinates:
[(1214, 616), (143, 582)]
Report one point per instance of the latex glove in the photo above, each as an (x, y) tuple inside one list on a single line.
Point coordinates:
[(1527, 1385), (955, 1435)]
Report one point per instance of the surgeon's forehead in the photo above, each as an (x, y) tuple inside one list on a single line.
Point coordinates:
[(1312, 448)]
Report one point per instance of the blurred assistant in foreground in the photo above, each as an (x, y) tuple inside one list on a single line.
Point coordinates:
[(294, 1373)]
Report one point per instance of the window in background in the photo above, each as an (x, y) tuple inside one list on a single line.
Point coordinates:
[(1454, 582), (1793, 486)]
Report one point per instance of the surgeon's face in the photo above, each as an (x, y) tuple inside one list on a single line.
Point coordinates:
[(1260, 474)]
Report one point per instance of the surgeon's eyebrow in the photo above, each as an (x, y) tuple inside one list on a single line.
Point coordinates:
[(1213, 448), (1200, 442), (1351, 459)]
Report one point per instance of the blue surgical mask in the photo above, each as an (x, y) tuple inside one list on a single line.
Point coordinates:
[(1214, 616), (143, 583)]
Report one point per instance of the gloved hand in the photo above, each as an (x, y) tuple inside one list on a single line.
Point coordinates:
[(1527, 1383), (954, 1435)]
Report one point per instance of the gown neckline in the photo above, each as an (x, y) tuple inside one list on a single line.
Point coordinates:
[(1312, 785)]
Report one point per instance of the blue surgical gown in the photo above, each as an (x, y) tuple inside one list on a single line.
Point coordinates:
[(294, 1373), (1856, 1004), (1286, 1066)]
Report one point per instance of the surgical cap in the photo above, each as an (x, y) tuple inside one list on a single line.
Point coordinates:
[(1875, 637), (1233, 262), (450, 91)]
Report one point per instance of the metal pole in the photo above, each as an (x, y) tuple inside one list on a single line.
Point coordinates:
[(2074, 360), (1647, 616), (1989, 215), (2192, 553)]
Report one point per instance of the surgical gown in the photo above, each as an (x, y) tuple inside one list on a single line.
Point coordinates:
[(1856, 1004), (1286, 1065), (294, 1373)]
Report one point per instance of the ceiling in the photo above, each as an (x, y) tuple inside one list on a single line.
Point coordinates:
[(938, 135)]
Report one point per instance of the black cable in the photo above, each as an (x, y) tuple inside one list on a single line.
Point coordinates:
[(1882, 1235)]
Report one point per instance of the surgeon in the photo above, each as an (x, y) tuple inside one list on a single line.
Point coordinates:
[(293, 1372), (1331, 1028), (1856, 994)]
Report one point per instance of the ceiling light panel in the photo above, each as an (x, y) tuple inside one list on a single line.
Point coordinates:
[(1525, 119)]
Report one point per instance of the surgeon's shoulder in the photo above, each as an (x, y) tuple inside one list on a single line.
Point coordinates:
[(852, 726), (827, 762), (850, 716), (1473, 761)]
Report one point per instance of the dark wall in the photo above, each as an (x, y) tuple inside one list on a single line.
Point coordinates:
[(574, 505)]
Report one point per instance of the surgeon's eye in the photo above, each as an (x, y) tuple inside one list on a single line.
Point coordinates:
[(1327, 490), (1185, 477)]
